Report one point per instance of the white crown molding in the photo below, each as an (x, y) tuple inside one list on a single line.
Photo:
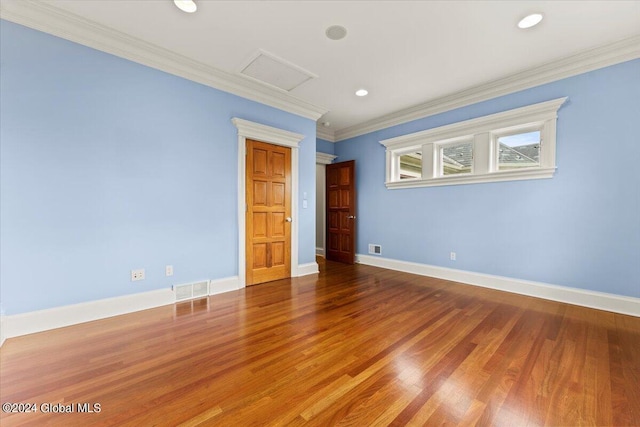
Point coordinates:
[(593, 59), (53, 20), (326, 134), (531, 113), (324, 158), (50, 19), (581, 297)]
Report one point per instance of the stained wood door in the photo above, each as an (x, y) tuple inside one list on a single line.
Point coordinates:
[(341, 212), (268, 219)]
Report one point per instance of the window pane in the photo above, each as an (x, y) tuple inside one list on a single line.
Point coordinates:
[(411, 165), (456, 159), (519, 151)]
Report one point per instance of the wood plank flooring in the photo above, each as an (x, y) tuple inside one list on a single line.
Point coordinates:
[(354, 346)]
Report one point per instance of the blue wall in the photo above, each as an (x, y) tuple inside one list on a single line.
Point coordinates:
[(107, 166), (579, 229), (323, 146)]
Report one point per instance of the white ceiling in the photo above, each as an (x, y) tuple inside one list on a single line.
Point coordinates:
[(404, 53)]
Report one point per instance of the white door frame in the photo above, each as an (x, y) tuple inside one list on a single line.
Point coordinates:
[(275, 136), (323, 159)]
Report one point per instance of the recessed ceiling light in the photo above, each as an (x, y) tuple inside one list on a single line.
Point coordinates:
[(530, 20), (188, 6), (336, 32), (362, 92)]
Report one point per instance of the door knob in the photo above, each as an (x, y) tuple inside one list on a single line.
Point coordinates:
[(351, 217), (288, 219)]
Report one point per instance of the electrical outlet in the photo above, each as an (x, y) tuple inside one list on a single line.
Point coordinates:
[(137, 275), (452, 256), (168, 270)]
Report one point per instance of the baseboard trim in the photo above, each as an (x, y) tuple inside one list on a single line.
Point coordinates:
[(227, 284), (320, 251), (592, 299), (2, 329), (59, 317), (307, 269)]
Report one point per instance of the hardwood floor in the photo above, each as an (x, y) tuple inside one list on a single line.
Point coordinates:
[(357, 345)]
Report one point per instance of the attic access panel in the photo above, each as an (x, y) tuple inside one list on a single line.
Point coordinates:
[(270, 69)]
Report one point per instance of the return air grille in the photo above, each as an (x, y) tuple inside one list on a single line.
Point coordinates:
[(375, 249), (191, 290)]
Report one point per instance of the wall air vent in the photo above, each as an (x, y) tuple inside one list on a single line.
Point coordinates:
[(375, 249), (191, 290)]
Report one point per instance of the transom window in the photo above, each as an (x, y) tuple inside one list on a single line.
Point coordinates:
[(521, 150), (512, 145), (410, 164), (455, 159)]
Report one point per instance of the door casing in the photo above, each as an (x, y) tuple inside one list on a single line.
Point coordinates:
[(322, 160), (275, 136)]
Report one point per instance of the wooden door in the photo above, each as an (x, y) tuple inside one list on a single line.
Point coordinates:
[(268, 220), (341, 212)]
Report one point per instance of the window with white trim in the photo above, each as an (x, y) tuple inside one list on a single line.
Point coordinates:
[(409, 163), (455, 158), (512, 145), (519, 150)]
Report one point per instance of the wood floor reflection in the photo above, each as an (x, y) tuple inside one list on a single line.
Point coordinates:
[(356, 345)]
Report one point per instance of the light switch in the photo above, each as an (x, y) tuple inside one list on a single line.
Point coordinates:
[(304, 204)]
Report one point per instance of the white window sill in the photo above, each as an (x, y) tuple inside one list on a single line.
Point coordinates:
[(512, 175)]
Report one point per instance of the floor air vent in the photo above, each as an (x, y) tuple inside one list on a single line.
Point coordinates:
[(191, 290)]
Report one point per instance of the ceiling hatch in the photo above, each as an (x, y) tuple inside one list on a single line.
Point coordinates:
[(270, 69)]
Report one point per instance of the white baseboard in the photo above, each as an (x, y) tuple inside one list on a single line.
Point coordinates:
[(227, 284), (320, 251), (2, 327), (58, 317), (585, 298), (309, 268)]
